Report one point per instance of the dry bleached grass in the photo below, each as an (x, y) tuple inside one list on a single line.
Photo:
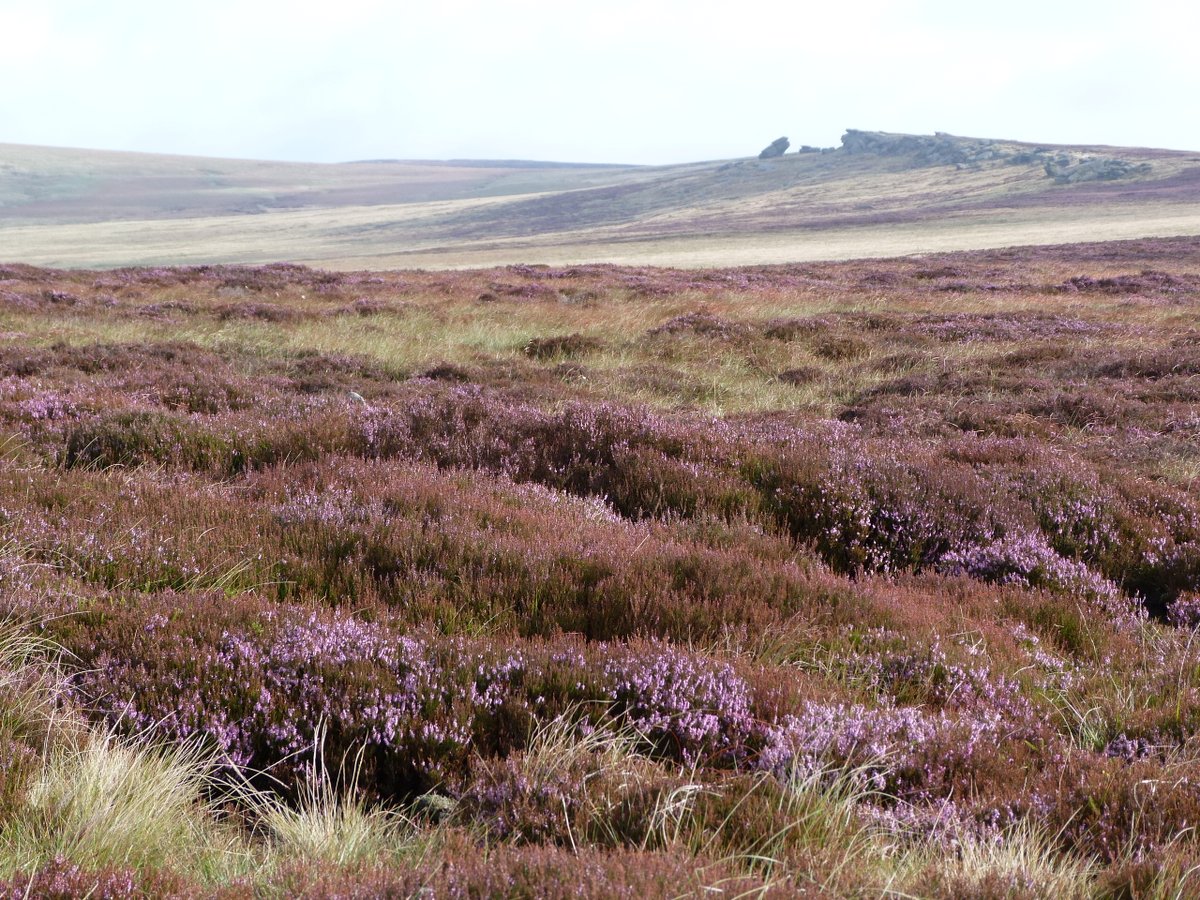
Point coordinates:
[(867, 579), (61, 208), (366, 238)]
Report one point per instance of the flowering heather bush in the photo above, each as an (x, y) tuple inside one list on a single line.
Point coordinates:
[(1006, 327), (462, 427), (898, 750), (446, 546), (1082, 521), (682, 699), (865, 507), (63, 880), (200, 393), (1147, 281), (930, 678), (642, 464), (936, 724), (1184, 611), (261, 695), (702, 324), (46, 407), (267, 312), (1027, 559), (259, 685)]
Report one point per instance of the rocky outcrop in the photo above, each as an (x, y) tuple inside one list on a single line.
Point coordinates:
[(777, 147), (1067, 170), (941, 149)]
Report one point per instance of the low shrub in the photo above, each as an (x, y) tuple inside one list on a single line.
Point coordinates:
[(258, 684), (566, 346), (61, 879), (872, 508)]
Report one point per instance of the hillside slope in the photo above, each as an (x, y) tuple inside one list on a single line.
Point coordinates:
[(878, 194)]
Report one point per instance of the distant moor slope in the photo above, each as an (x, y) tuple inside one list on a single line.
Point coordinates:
[(875, 195)]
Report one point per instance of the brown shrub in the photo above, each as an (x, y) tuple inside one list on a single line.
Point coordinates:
[(561, 346), (544, 872), (445, 371), (799, 376), (702, 324), (1117, 809), (841, 347), (60, 879), (264, 312)]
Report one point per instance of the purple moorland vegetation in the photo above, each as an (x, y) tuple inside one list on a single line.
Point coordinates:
[(924, 527)]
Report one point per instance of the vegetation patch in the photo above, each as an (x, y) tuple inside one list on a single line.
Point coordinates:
[(797, 581)]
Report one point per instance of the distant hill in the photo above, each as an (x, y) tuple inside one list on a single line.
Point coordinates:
[(877, 194)]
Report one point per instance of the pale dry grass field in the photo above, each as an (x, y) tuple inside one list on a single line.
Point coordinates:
[(75, 209)]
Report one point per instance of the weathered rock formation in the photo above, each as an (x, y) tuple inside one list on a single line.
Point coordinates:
[(941, 149), (776, 148), (1065, 169)]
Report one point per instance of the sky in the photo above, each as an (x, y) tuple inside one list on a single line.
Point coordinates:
[(619, 81)]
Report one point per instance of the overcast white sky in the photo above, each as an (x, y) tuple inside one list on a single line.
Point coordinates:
[(639, 81)]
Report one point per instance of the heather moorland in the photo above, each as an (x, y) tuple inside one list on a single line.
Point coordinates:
[(871, 578)]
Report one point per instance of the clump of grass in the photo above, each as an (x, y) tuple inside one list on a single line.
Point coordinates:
[(804, 830), (30, 709), (326, 825), (1022, 863), (113, 802), (574, 784), (30, 683), (93, 799)]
